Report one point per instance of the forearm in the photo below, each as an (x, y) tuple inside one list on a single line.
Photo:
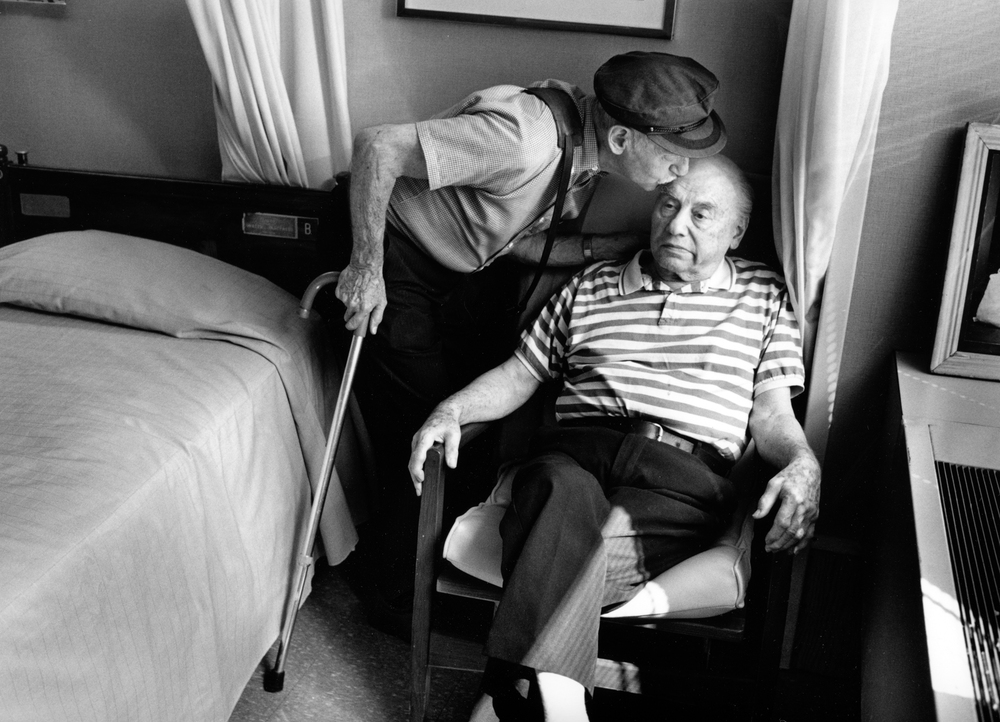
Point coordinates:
[(781, 441), (578, 249), (380, 156), (493, 395)]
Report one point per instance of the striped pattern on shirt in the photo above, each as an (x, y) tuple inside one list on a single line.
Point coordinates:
[(624, 344)]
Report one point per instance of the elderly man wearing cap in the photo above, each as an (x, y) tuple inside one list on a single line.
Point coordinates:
[(669, 364), (435, 200)]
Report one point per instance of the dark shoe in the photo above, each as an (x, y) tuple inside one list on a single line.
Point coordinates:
[(514, 692), (393, 617)]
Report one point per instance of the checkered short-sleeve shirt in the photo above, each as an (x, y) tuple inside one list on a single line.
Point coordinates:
[(492, 165)]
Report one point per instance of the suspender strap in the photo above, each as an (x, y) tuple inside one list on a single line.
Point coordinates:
[(570, 134)]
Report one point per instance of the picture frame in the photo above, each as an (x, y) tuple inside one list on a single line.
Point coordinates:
[(643, 18), (967, 339)]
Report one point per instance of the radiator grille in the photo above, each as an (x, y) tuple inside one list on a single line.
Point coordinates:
[(970, 497)]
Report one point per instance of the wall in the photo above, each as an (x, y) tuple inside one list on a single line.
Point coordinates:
[(107, 85), (122, 86), (943, 74), (405, 69), (408, 68)]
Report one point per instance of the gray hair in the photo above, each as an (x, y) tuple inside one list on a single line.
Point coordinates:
[(744, 191), (602, 124)]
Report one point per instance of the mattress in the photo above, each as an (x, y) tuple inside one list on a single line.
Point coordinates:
[(154, 478)]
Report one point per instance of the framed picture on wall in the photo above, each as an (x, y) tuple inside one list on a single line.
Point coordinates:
[(646, 18), (967, 342)]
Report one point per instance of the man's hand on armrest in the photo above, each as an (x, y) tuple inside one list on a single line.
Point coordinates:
[(441, 426), (797, 486), (782, 443), (491, 396)]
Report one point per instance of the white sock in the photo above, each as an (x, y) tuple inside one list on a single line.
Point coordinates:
[(564, 699)]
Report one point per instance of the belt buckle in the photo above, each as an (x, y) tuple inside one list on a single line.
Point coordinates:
[(671, 439)]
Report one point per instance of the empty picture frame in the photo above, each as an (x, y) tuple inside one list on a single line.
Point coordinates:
[(967, 342), (645, 18)]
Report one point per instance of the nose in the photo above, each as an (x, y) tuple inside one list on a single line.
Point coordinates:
[(678, 222), (680, 166)]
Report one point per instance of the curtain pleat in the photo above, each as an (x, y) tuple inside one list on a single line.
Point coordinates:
[(280, 79), (836, 68), (279, 70)]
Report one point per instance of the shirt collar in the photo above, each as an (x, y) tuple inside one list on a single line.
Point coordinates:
[(633, 279)]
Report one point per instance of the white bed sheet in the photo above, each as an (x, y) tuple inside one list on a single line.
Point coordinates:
[(151, 495)]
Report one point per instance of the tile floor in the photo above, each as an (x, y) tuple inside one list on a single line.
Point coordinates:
[(340, 669)]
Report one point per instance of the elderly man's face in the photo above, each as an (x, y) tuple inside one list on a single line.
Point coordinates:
[(695, 221), (649, 165)]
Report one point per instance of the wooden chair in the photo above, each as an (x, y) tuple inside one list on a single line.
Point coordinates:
[(749, 635), (629, 647)]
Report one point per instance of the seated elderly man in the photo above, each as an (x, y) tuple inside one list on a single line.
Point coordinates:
[(667, 362)]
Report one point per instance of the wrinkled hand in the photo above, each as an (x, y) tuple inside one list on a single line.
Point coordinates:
[(442, 425), (797, 485), (362, 291)]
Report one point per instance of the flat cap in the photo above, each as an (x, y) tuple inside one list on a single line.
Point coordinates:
[(667, 97)]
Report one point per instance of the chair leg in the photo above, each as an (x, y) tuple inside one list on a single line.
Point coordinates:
[(420, 691), (429, 529), (420, 645), (772, 636)]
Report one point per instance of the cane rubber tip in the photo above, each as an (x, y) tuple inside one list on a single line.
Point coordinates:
[(274, 681)]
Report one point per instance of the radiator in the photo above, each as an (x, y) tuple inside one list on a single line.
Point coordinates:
[(932, 611), (970, 502)]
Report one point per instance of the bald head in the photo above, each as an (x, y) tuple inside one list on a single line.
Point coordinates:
[(698, 218), (737, 179)]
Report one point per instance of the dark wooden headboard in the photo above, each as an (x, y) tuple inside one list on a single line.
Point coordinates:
[(288, 235)]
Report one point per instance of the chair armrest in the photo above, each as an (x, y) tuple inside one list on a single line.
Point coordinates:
[(429, 534), (432, 496), (471, 431)]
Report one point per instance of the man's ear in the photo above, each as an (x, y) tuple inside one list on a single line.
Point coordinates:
[(618, 139), (740, 227)]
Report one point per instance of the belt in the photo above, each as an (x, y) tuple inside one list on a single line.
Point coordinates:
[(652, 430)]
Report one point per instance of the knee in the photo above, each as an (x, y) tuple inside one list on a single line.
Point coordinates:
[(554, 478)]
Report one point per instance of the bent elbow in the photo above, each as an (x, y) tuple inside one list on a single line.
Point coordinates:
[(388, 150)]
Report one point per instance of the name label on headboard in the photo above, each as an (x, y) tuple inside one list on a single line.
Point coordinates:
[(36, 204), (274, 225)]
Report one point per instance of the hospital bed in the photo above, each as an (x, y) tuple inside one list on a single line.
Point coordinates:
[(162, 416)]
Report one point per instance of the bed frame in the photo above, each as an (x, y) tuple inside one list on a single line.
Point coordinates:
[(288, 235)]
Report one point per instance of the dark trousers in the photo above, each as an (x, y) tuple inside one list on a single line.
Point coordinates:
[(595, 513), (434, 338)]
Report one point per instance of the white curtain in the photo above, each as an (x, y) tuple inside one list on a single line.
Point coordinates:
[(280, 78), (279, 70), (836, 67)]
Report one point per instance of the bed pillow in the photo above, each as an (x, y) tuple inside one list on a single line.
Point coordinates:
[(142, 284)]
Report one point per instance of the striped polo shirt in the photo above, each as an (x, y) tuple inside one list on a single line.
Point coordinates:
[(624, 344), (492, 166)]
